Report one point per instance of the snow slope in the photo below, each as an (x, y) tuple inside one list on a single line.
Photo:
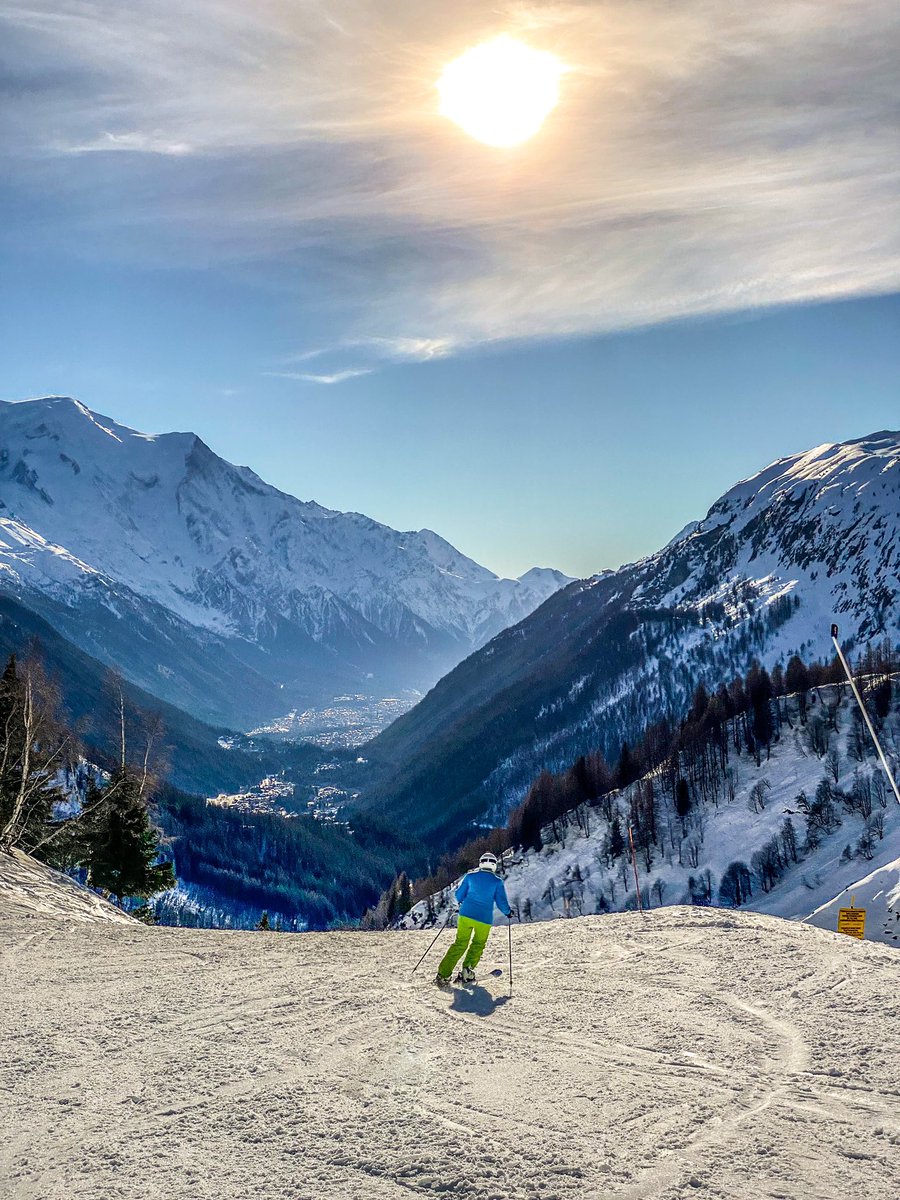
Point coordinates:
[(879, 894), (689, 1053), (100, 522), (568, 876), (29, 889)]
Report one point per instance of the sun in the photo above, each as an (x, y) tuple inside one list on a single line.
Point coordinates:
[(501, 91)]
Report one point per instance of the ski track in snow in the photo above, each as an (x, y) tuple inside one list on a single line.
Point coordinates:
[(690, 1052)]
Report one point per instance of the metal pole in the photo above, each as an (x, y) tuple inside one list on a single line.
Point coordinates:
[(433, 940), (509, 928), (637, 882), (862, 709)]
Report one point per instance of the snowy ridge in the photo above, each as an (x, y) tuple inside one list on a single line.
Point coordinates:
[(833, 511), (811, 539), (94, 515)]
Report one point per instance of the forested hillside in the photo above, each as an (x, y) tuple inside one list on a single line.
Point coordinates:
[(188, 752), (768, 795), (101, 811)]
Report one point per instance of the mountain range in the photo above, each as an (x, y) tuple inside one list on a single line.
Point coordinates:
[(811, 539), (215, 591)]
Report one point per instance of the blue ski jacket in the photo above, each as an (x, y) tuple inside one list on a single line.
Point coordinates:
[(477, 895)]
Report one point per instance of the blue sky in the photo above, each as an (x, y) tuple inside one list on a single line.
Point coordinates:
[(254, 223)]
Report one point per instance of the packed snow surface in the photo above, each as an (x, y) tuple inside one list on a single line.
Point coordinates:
[(690, 1052)]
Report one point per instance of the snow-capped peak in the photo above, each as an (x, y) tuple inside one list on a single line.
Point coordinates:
[(165, 519)]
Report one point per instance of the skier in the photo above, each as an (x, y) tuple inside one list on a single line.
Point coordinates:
[(476, 895)]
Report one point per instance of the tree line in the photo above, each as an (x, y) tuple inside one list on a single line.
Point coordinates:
[(660, 785)]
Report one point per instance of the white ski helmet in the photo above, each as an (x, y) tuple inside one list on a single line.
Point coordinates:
[(488, 862)]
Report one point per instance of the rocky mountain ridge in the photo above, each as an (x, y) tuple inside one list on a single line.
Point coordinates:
[(217, 591)]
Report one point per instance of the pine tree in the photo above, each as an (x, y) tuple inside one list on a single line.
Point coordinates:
[(616, 838), (682, 800), (797, 680), (263, 922), (404, 894), (627, 770), (530, 825), (123, 845), (759, 691), (736, 886), (582, 779)]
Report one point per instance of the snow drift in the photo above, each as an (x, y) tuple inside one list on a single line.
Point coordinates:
[(29, 888)]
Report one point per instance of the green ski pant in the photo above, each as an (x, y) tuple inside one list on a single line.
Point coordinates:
[(466, 928)]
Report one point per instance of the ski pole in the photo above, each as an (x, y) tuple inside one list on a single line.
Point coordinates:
[(864, 711), (637, 882), (509, 928), (433, 940)]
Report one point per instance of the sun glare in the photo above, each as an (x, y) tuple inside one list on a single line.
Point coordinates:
[(501, 91)]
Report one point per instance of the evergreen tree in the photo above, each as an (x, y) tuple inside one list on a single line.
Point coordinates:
[(404, 894), (759, 691), (699, 704), (797, 680), (736, 886), (778, 682), (263, 923), (616, 838), (882, 698), (124, 846), (582, 781), (682, 799), (627, 770)]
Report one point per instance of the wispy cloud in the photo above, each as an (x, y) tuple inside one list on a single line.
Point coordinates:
[(335, 377), (135, 142), (704, 158)]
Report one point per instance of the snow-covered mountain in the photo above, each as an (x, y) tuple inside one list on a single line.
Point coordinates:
[(215, 590), (794, 873), (813, 538)]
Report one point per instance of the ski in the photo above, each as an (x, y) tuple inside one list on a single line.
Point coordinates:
[(495, 974)]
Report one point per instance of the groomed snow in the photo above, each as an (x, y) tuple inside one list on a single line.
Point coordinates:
[(722, 1056)]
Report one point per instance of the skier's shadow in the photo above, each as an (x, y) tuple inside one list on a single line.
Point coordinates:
[(476, 1001)]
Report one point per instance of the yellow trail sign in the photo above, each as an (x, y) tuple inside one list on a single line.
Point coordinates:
[(852, 921)]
